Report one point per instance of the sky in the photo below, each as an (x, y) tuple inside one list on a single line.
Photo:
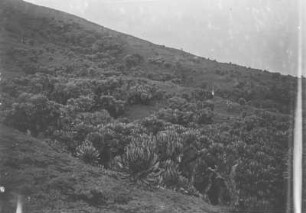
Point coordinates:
[(260, 34)]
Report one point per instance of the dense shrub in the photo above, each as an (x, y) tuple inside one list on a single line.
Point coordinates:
[(204, 104), (81, 104), (177, 103), (142, 94), (81, 130), (203, 116), (62, 92), (113, 106), (133, 60), (95, 118), (201, 94), (34, 113), (112, 138), (152, 124)]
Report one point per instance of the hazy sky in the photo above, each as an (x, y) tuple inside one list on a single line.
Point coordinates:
[(257, 33)]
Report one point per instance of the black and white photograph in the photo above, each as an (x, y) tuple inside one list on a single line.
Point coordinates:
[(152, 106)]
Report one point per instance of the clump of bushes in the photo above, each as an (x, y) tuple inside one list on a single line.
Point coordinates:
[(112, 105), (203, 116), (81, 104), (32, 112), (152, 124), (177, 103), (111, 139), (96, 118), (202, 94), (133, 60), (143, 94)]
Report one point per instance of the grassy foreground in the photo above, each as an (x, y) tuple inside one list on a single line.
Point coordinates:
[(56, 182)]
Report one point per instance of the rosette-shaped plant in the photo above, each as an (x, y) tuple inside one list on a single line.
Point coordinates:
[(139, 159), (170, 176), (88, 153), (169, 145)]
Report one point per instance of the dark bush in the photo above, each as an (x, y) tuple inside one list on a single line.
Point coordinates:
[(204, 116), (143, 94), (34, 113), (152, 124), (242, 101), (133, 60)]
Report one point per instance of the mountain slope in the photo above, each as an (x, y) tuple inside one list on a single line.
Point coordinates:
[(53, 182), (103, 96), (37, 39), (47, 33)]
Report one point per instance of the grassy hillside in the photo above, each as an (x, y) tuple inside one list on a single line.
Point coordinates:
[(45, 40), (56, 182), (113, 106)]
